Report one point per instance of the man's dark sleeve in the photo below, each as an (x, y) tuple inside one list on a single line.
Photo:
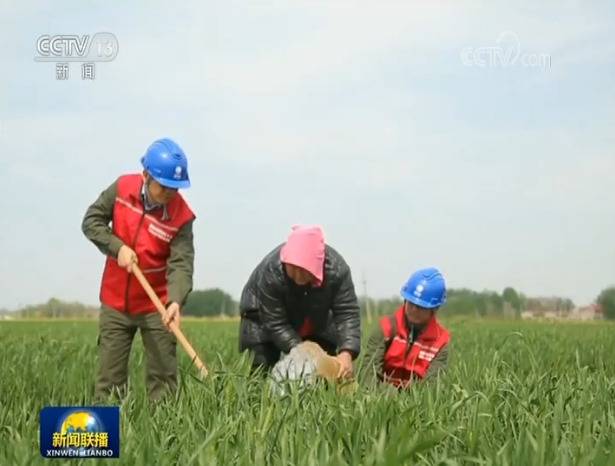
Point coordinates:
[(95, 225), (180, 265), (346, 315), (273, 313)]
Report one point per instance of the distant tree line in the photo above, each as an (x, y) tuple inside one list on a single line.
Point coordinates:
[(462, 301), (211, 302), (217, 302), (606, 301), (200, 303), (54, 308)]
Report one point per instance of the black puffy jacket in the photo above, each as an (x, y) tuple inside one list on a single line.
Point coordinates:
[(273, 307)]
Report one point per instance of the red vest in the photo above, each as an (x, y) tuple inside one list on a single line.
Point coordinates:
[(150, 237), (401, 361)]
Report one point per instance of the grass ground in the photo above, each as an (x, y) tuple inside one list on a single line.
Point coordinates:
[(516, 393)]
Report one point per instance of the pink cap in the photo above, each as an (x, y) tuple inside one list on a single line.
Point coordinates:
[(305, 248)]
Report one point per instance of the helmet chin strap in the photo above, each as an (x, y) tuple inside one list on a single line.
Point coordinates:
[(147, 200), (149, 203)]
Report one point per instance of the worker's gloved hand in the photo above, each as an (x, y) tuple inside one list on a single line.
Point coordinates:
[(345, 360), (126, 257), (172, 315)]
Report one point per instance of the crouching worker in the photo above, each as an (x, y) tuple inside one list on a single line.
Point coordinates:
[(151, 225), (302, 290), (410, 345)]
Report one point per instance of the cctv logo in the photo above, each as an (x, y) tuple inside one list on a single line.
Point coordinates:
[(102, 46)]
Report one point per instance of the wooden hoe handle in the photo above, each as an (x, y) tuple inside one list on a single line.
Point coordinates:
[(173, 326)]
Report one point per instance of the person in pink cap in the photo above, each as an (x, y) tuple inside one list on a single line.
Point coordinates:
[(302, 290)]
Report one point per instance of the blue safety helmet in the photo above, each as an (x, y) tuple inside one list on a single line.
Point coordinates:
[(166, 162), (425, 288)]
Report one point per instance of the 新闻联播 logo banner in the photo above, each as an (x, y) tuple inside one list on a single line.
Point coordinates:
[(80, 432)]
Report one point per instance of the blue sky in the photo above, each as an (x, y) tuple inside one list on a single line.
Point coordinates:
[(359, 116)]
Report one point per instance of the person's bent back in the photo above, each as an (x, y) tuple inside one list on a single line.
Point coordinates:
[(302, 290)]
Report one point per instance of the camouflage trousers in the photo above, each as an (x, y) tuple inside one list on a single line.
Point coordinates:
[(116, 332)]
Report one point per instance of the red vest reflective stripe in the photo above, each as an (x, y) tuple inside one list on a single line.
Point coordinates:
[(401, 362), (150, 237)]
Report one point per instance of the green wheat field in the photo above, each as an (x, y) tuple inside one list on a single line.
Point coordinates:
[(516, 393)]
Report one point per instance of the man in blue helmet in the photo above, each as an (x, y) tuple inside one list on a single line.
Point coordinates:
[(141, 218), (411, 344)]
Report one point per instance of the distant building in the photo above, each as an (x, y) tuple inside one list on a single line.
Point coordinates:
[(591, 312)]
